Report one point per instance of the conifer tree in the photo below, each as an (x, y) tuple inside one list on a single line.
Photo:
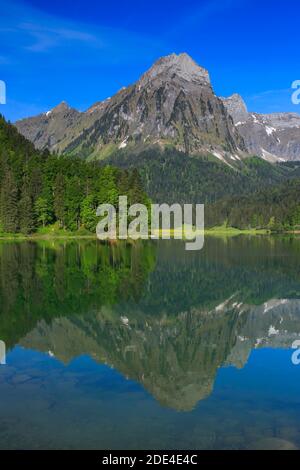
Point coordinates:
[(42, 211), (73, 199), (38, 188), (88, 212), (27, 223), (59, 199), (9, 202)]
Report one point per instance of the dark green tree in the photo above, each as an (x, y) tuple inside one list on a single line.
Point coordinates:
[(88, 212), (9, 202), (43, 212), (59, 199), (73, 198), (26, 212)]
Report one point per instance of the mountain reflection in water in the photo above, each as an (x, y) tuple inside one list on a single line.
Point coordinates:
[(163, 317)]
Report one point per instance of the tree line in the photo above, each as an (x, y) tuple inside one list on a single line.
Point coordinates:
[(255, 194), (38, 189), (171, 176), (276, 208)]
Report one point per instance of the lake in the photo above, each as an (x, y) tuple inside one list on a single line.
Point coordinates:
[(150, 346)]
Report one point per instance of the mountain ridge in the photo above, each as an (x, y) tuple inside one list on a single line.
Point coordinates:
[(273, 137), (171, 103)]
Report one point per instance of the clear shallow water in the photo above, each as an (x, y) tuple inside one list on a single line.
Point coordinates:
[(150, 346)]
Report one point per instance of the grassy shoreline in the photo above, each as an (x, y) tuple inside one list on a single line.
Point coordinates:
[(82, 234)]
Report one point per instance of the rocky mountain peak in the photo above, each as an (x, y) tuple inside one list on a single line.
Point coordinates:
[(61, 107), (236, 107), (173, 102), (274, 137), (180, 66)]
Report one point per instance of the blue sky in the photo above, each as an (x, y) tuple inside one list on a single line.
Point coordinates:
[(84, 51)]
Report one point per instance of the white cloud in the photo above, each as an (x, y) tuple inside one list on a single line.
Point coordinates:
[(48, 37)]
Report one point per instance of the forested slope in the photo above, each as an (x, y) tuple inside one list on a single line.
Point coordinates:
[(38, 189)]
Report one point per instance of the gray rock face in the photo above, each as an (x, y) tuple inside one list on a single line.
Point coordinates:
[(47, 130), (182, 65), (274, 137), (236, 107), (173, 102)]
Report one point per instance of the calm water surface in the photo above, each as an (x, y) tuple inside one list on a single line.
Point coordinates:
[(150, 346)]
